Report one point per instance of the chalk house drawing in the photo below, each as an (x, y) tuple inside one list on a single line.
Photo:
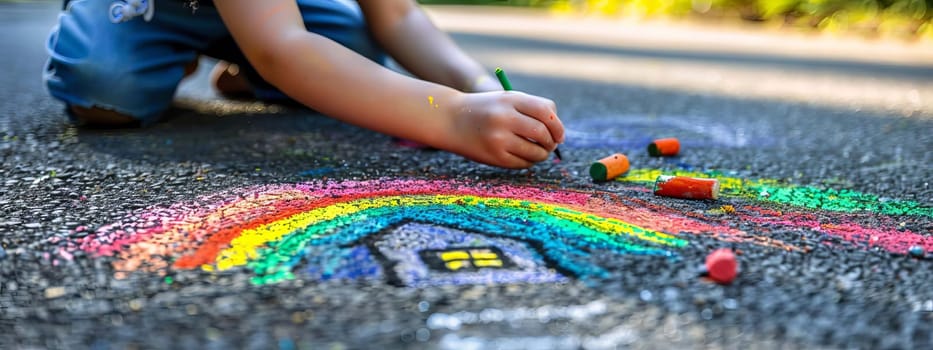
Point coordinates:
[(410, 232)]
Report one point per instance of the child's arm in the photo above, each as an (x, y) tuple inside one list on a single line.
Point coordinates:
[(492, 128), (406, 33)]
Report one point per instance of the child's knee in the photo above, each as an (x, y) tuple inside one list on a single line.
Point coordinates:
[(94, 85), (132, 68)]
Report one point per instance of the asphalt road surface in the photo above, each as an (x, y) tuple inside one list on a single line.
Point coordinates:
[(245, 225)]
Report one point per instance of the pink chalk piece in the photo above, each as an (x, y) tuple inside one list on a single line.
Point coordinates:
[(721, 266)]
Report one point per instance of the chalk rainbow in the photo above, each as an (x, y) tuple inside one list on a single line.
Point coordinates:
[(268, 228), (274, 230)]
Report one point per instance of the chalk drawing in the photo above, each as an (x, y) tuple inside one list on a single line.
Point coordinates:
[(411, 232), (635, 131), (545, 235), (417, 254), (800, 198)]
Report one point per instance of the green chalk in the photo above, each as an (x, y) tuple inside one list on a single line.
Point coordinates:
[(599, 172), (653, 150), (503, 79)]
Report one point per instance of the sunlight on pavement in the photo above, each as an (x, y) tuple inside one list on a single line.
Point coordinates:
[(734, 62)]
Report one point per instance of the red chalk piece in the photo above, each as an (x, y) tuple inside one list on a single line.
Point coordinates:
[(721, 266), (686, 187)]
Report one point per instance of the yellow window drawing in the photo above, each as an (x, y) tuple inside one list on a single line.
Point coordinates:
[(465, 259)]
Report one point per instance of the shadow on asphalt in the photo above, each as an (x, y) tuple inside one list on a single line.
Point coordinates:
[(188, 135), (777, 138)]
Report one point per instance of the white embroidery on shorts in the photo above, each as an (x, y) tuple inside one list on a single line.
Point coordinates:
[(125, 10), (192, 4)]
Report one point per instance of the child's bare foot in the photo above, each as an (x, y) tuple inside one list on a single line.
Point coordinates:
[(229, 82)]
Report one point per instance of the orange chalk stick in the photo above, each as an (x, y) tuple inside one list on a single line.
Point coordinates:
[(609, 168), (664, 147), (686, 187)]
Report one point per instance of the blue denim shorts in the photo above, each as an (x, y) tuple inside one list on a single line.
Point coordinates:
[(129, 55)]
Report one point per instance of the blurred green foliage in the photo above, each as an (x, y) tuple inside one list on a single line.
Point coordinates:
[(902, 18)]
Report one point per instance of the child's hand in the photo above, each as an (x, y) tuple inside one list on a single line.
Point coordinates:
[(506, 129)]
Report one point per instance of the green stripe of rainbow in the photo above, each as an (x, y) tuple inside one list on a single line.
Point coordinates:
[(770, 190)]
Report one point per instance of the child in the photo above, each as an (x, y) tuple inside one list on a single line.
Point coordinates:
[(120, 61)]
